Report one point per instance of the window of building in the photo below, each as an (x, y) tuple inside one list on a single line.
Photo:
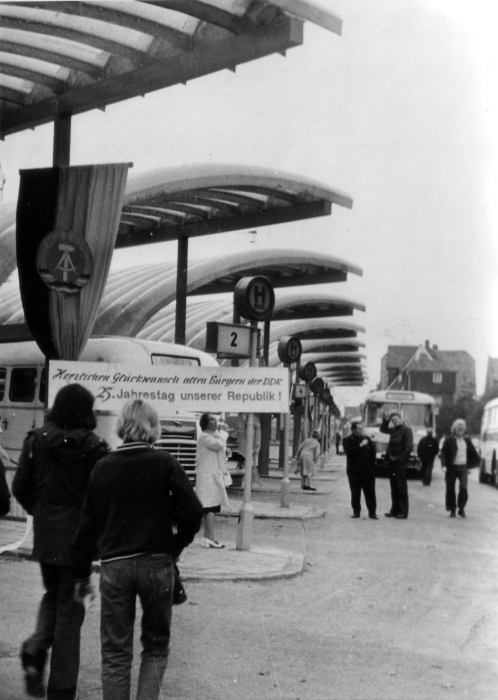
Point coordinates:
[(437, 377)]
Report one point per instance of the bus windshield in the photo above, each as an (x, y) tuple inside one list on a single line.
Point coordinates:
[(375, 411), (415, 415)]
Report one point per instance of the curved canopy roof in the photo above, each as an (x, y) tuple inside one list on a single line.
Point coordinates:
[(64, 57), (133, 297), (315, 329), (195, 200)]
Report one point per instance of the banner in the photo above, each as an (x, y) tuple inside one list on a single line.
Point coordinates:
[(174, 389), (69, 210)]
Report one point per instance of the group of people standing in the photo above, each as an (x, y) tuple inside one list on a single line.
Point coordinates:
[(458, 455), (134, 509)]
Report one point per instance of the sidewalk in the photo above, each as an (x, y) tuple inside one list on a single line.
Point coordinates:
[(228, 564)]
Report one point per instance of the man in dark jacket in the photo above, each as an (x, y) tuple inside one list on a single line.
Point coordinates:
[(398, 453), (134, 498), (50, 482), (427, 451), (4, 488), (360, 455)]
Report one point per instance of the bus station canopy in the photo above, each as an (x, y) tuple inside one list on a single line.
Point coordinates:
[(196, 200), (65, 58)]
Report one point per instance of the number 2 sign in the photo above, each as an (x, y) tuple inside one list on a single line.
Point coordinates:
[(228, 340)]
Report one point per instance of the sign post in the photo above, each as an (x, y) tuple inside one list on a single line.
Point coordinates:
[(289, 351), (253, 299)]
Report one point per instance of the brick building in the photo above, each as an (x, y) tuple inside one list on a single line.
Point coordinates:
[(444, 374)]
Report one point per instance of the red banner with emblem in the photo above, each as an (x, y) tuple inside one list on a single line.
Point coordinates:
[(67, 223)]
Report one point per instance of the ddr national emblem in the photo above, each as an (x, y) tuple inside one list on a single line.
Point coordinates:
[(64, 261)]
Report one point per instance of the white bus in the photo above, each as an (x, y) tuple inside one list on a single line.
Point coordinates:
[(418, 410), (489, 443), (23, 386)]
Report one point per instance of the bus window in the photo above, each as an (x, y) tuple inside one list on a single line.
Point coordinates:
[(417, 415), (43, 386), (22, 384), (376, 410), (3, 379), (175, 360)]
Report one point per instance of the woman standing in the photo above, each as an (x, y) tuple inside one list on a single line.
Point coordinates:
[(458, 455), (210, 465), (50, 482), (307, 455)]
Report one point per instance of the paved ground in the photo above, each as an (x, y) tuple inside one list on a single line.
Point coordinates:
[(382, 610)]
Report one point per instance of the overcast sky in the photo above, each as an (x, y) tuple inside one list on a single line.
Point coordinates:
[(400, 112)]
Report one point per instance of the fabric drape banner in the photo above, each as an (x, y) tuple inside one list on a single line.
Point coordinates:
[(83, 204)]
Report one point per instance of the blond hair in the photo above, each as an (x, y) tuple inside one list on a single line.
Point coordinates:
[(138, 422)]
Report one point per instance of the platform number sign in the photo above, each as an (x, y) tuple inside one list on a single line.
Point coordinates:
[(254, 298)]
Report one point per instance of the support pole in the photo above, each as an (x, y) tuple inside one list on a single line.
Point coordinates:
[(62, 139), (181, 291), (285, 486), (246, 512)]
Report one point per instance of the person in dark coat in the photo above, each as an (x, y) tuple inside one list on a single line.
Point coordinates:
[(398, 453), (50, 483), (141, 512), (360, 459), (427, 451), (458, 455), (4, 488)]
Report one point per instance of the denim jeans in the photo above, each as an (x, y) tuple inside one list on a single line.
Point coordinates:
[(151, 577), (58, 627), (453, 473)]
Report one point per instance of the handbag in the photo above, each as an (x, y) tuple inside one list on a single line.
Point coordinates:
[(227, 479)]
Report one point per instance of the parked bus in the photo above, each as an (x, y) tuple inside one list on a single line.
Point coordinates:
[(417, 410), (489, 444), (23, 386)]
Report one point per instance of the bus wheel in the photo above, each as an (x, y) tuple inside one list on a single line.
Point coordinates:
[(483, 477)]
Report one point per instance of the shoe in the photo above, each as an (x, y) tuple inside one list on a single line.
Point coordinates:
[(390, 515), (33, 679), (401, 517), (461, 513), (373, 516), (306, 488), (452, 514), (356, 515), (211, 544)]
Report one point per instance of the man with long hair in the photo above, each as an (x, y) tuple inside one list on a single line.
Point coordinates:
[(50, 482)]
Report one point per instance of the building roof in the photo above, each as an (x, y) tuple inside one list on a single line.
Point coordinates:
[(422, 358), (63, 57)]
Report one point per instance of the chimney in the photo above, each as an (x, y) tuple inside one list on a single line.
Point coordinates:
[(435, 347), (427, 345)]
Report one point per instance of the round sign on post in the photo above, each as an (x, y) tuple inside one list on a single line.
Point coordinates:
[(289, 349), (317, 385), (254, 298), (307, 372)]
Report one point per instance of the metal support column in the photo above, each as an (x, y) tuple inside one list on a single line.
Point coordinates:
[(181, 291), (62, 139)]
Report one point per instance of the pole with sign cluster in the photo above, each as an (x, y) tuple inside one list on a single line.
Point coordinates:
[(253, 299), (289, 351)]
